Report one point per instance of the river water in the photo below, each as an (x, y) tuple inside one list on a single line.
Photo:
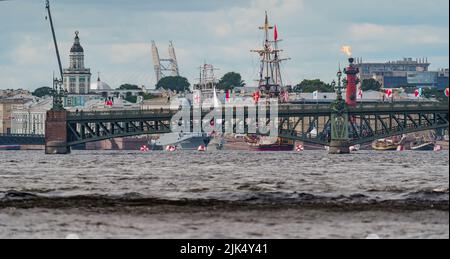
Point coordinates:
[(232, 194)]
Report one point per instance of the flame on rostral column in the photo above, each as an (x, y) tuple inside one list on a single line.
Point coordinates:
[(347, 50)]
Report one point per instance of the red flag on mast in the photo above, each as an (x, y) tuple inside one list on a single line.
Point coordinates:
[(276, 33)]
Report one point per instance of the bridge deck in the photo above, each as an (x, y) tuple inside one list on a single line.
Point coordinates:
[(283, 110)]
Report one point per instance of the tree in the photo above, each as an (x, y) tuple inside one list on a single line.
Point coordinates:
[(370, 85), (131, 99), (174, 83), (231, 80), (146, 96), (310, 86), (43, 91), (438, 94), (129, 87)]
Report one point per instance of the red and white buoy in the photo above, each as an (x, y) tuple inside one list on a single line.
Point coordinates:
[(300, 148), (438, 148), (201, 148), (144, 148), (171, 148), (401, 148)]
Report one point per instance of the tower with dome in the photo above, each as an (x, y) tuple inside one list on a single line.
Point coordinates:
[(77, 78)]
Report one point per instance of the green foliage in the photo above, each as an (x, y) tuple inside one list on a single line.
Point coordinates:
[(310, 86), (370, 85), (438, 94), (129, 87), (147, 96), (230, 81), (409, 89), (131, 99), (174, 83), (43, 91)]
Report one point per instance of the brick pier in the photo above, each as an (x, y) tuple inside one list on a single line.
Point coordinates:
[(56, 133)]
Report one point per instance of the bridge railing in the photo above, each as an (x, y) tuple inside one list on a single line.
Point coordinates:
[(402, 105), (282, 108), (120, 114)]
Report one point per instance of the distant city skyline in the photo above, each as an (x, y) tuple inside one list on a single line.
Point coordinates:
[(116, 36)]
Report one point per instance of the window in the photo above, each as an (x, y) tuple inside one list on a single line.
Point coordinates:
[(82, 88), (72, 85)]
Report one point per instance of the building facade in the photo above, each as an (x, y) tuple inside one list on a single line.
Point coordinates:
[(30, 118), (77, 78), (443, 78), (392, 68), (404, 73), (6, 108)]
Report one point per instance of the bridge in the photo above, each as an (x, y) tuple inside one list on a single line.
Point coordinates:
[(337, 126)]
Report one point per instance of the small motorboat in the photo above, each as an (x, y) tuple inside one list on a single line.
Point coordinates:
[(10, 147), (384, 145), (423, 146)]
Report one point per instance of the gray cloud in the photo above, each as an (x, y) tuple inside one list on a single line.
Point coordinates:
[(117, 34)]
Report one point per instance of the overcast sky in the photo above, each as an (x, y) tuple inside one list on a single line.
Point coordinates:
[(117, 35)]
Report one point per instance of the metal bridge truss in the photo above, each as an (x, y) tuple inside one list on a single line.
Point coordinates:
[(307, 123), (366, 124), (83, 128)]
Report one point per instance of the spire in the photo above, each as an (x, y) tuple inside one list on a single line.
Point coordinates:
[(98, 78), (77, 39), (76, 44)]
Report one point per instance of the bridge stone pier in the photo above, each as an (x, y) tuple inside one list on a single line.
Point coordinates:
[(56, 133), (338, 147)]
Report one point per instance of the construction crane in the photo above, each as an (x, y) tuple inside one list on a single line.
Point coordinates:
[(58, 92), (165, 65)]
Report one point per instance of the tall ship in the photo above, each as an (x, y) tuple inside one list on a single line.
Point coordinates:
[(270, 81), (270, 85)]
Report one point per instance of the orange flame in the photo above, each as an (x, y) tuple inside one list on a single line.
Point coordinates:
[(347, 50)]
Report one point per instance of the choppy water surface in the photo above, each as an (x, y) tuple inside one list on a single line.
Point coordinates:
[(160, 191)]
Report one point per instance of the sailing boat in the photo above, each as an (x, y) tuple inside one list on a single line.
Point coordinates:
[(270, 85), (270, 81)]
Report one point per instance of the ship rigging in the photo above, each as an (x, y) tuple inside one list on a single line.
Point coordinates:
[(270, 78)]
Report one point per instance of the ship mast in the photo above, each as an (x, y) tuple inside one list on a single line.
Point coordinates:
[(270, 81)]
